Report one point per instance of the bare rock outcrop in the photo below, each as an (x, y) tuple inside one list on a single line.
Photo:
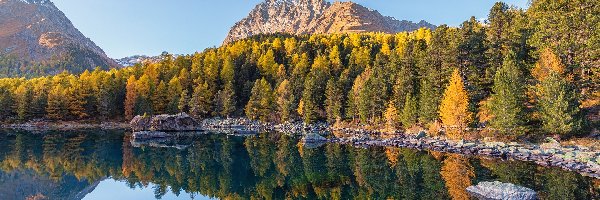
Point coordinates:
[(316, 16), (164, 123)]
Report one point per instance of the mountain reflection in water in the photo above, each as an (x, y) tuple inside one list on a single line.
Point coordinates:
[(71, 165)]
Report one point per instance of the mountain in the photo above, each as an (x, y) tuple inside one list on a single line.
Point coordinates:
[(37, 36), (316, 16)]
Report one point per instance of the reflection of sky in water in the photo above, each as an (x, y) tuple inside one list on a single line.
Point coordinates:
[(116, 190)]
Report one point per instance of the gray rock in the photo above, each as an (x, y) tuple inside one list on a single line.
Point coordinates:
[(504, 191), (313, 137), (167, 123)]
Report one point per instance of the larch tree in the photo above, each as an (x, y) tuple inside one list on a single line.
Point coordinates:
[(160, 98), (57, 104), (130, 98), (285, 101), (454, 109)]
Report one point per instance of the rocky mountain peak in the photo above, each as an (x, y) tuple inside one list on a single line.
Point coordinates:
[(37, 32), (316, 16)]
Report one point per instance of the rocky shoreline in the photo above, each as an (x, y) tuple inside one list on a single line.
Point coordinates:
[(550, 154), (42, 126)]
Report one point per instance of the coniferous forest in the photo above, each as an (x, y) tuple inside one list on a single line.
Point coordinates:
[(520, 73)]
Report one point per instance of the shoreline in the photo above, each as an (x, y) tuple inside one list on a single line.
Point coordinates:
[(575, 158), (43, 126)]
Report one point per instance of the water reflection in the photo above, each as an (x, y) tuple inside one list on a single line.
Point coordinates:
[(70, 165)]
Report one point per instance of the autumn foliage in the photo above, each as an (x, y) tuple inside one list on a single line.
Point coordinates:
[(454, 110)]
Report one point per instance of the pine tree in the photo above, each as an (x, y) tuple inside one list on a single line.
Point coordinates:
[(285, 101), (409, 111), (454, 109), (558, 106), (507, 104), (334, 101), (6, 102), (24, 100), (260, 106), (130, 98), (226, 100), (184, 99), (201, 102)]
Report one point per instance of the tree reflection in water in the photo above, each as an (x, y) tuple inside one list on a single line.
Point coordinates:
[(271, 166)]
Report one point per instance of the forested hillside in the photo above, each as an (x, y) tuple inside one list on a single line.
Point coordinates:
[(521, 72)]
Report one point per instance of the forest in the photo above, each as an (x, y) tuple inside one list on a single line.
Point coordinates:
[(519, 73)]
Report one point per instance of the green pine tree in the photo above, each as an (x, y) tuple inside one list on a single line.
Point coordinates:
[(507, 104)]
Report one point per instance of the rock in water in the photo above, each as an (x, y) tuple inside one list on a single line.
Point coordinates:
[(313, 137), (501, 191), (168, 123)]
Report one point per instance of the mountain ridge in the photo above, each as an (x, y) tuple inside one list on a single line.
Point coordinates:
[(314, 17), (37, 32)]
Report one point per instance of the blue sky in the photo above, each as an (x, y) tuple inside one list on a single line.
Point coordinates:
[(148, 27)]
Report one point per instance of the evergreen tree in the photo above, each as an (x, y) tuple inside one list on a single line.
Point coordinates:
[(184, 99), (557, 105), (507, 104), (333, 101), (160, 98), (201, 102), (226, 100), (409, 111), (454, 109), (260, 106), (24, 97)]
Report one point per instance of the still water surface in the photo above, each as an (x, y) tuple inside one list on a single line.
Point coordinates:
[(108, 165)]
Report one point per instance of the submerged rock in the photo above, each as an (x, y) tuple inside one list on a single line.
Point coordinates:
[(166, 123), (501, 191)]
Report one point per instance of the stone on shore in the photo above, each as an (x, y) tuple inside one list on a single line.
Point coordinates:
[(166, 123), (498, 190)]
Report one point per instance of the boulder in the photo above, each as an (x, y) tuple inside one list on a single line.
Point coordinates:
[(166, 123), (498, 190), (313, 138)]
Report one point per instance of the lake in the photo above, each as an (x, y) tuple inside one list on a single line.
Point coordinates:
[(109, 165)]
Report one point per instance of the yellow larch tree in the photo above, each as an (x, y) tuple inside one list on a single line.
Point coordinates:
[(454, 109)]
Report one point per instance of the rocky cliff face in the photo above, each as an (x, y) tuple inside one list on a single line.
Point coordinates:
[(36, 31), (316, 16)]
